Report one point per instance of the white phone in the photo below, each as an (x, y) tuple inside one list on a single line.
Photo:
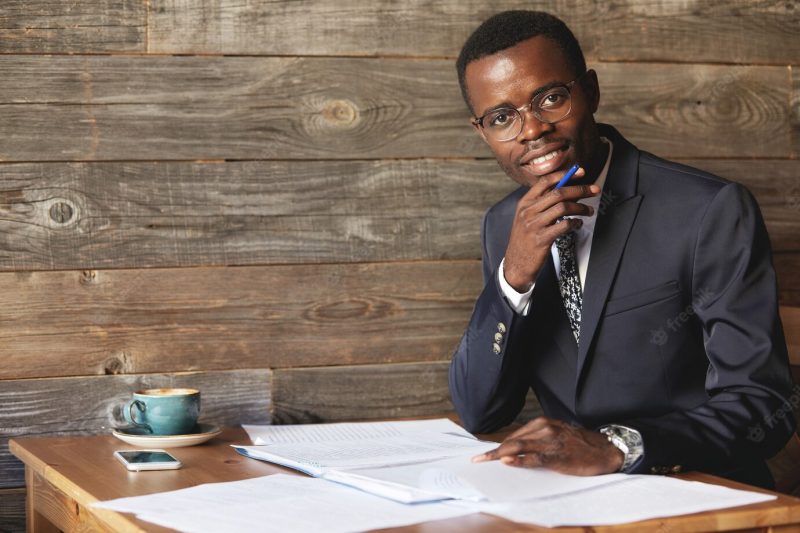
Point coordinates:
[(147, 460)]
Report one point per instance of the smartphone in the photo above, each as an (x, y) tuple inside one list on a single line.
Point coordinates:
[(147, 460)]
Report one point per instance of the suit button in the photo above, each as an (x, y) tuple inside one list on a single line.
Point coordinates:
[(676, 469), (498, 337), (496, 348), (501, 327)]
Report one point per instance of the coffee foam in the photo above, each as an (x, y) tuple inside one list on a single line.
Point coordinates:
[(167, 392)]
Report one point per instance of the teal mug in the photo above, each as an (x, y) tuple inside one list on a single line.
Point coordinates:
[(164, 411)]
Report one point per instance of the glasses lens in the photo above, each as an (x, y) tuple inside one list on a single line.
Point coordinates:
[(552, 105), (503, 124)]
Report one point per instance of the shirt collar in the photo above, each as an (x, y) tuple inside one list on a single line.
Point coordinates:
[(601, 179)]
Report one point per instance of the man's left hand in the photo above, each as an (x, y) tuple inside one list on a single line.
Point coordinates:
[(559, 446)]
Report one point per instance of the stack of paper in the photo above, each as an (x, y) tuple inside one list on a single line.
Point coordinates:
[(277, 503), (357, 454), (426, 461), (634, 499)]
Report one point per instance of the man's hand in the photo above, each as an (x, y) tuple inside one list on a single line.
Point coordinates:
[(535, 228), (559, 446)]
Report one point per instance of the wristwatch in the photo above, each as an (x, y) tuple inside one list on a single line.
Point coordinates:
[(627, 440)]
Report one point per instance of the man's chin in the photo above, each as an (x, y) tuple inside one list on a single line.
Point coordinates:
[(528, 178)]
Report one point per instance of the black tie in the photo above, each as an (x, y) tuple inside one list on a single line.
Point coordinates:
[(569, 282)]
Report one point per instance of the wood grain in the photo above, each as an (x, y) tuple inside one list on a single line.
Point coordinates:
[(341, 27), (90, 405), (12, 510), (125, 215), (787, 267), (785, 467), (790, 316), (696, 30), (795, 111), (55, 26), (70, 467), (665, 108), (171, 320), (187, 108), (699, 31), (61, 216), (168, 108), (54, 510), (367, 392)]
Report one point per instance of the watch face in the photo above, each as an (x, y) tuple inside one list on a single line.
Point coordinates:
[(628, 441)]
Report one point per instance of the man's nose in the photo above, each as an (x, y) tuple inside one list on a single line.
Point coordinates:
[(532, 127)]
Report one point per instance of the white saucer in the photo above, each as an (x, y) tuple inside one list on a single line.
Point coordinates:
[(204, 433)]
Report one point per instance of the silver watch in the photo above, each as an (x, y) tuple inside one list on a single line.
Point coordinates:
[(627, 440)]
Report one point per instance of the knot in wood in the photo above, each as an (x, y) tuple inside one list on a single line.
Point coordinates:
[(88, 276), (354, 310), (113, 366), (117, 363), (61, 212), (340, 112)]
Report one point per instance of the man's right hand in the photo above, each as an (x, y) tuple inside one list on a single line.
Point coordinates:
[(536, 225)]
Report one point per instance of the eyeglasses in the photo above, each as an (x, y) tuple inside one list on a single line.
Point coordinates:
[(549, 106)]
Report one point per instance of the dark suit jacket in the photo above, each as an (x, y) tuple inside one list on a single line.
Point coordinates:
[(680, 333)]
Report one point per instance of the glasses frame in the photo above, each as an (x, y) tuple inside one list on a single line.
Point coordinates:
[(520, 110)]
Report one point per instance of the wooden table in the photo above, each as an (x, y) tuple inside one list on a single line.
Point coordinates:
[(65, 474)]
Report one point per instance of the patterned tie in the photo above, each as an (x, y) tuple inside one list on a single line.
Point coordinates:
[(570, 283)]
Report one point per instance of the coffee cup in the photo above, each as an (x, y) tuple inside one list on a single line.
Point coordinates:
[(164, 411)]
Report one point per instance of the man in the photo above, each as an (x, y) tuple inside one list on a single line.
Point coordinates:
[(638, 300)]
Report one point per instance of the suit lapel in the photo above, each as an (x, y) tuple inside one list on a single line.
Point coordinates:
[(618, 208)]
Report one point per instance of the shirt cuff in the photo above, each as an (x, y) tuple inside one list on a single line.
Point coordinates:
[(520, 302)]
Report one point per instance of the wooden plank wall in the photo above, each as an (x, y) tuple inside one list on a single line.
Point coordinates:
[(280, 201)]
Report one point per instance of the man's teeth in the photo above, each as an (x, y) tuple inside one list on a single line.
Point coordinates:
[(545, 157)]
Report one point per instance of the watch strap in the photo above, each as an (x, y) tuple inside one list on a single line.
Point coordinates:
[(627, 440)]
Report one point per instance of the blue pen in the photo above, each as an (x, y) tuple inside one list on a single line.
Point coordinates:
[(571, 172)]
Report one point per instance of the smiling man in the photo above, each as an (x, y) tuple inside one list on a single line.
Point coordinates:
[(638, 301)]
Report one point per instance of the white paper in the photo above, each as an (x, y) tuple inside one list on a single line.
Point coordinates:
[(429, 478), (348, 431), (460, 478), (277, 503), (631, 500), (367, 453)]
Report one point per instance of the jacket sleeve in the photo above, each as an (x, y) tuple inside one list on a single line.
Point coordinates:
[(748, 413), (487, 384)]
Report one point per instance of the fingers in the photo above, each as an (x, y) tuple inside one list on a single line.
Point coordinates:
[(530, 438), (534, 425), (544, 184), (569, 194), (528, 453), (529, 460), (508, 447)]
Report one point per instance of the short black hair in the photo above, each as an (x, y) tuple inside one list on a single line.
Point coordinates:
[(510, 28)]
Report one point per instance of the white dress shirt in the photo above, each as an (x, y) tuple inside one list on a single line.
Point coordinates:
[(521, 301)]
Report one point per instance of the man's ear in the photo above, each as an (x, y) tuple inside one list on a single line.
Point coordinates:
[(592, 88)]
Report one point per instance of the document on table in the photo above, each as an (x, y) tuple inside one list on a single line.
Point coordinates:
[(349, 431), (282, 503), (413, 463), (492, 481), (277, 503), (334, 460), (631, 500)]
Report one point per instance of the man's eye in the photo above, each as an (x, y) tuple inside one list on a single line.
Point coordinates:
[(552, 100), (500, 120)]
